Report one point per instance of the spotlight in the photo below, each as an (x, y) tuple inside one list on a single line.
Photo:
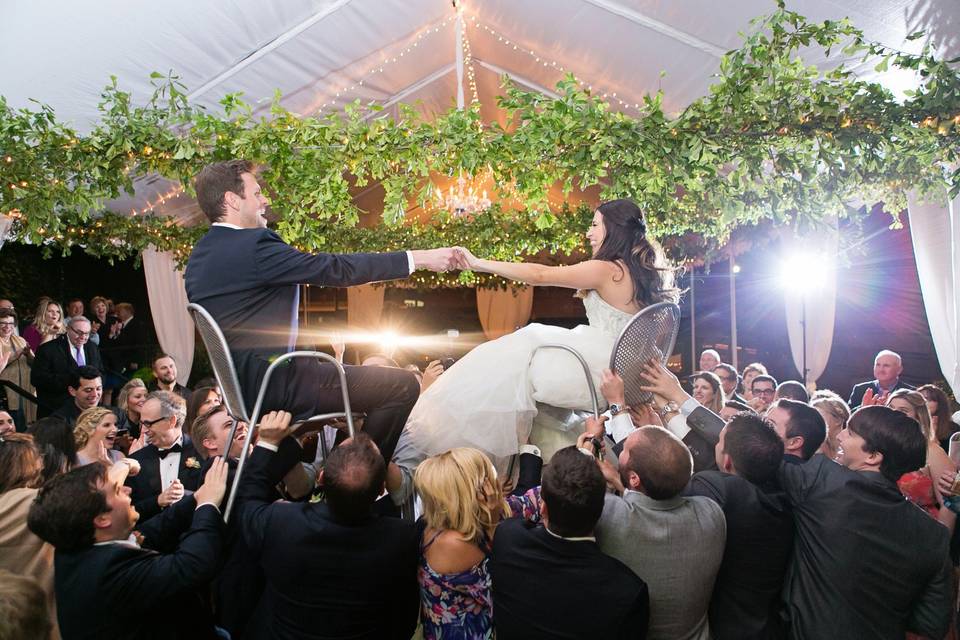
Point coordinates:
[(805, 272), (389, 341)]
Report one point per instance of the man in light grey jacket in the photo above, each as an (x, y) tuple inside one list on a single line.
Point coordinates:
[(674, 543)]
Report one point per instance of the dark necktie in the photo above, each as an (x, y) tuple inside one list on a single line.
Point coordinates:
[(162, 453)]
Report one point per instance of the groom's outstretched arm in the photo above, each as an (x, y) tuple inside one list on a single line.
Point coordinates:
[(278, 263)]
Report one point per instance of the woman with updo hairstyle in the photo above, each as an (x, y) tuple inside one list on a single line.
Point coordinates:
[(462, 505), (21, 552), (488, 399), (920, 487), (94, 433)]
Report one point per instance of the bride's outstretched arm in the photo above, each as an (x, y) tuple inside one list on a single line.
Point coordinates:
[(590, 274)]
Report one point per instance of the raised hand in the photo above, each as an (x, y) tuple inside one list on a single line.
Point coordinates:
[(662, 383), (339, 346), (611, 387), (214, 484), (436, 259), (433, 371), (274, 427), (171, 494)]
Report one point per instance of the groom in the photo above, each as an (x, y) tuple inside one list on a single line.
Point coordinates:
[(248, 279)]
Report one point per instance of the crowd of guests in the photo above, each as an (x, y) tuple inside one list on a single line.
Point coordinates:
[(742, 508)]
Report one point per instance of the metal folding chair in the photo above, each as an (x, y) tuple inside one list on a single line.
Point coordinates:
[(226, 374), (650, 334)]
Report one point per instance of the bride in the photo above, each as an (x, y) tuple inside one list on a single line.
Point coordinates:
[(487, 400)]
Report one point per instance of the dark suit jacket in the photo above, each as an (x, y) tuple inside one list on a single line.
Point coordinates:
[(867, 563), (248, 279), (325, 578), (132, 346), (746, 596), (856, 395), (69, 412), (179, 389), (547, 587), (705, 427), (120, 591), (145, 486), (53, 368)]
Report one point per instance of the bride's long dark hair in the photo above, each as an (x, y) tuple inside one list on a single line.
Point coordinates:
[(626, 240)]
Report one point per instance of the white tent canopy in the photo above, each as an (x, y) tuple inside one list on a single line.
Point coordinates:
[(322, 53)]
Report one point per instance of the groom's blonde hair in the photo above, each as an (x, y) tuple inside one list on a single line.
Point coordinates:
[(460, 492)]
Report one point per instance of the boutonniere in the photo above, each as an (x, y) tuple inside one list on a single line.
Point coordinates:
[(192, 463)]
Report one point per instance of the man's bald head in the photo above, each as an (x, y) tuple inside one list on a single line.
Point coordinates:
[(655, 462)]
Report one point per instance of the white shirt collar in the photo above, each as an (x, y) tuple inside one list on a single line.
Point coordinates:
[(130, 541), (573, 539), (178, 441), (225, 224)]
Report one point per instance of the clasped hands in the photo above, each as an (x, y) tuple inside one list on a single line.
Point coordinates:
[(445, 259)]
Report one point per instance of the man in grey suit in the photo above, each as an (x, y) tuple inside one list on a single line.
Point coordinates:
[(674, 543)]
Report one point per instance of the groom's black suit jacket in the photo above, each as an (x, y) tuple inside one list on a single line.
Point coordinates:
[(53, 368), (248, 279)]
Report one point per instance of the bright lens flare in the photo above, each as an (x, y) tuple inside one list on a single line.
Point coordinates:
[(806, 272)]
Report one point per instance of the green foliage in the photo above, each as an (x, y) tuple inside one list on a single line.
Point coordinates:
[(774, 140)]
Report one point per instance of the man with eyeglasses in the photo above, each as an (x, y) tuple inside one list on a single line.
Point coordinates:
[(764, 389), (169, 465), (57, 363)]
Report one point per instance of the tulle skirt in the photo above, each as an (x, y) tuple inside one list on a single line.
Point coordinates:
[(487, 400)]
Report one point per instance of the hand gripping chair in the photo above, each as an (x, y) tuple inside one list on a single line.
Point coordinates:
[(226, 375)]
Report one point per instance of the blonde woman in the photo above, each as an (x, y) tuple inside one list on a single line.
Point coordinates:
[(462, 505), (16, 358), (94, 434), (920, 487), (47, 324), (835, 413), (130, 401)]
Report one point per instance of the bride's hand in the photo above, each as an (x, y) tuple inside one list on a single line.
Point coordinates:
[(467, 260)]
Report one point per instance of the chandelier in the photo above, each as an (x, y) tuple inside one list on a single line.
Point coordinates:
[(463, 199)]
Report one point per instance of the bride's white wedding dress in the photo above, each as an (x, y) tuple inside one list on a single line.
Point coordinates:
[(487, 400)]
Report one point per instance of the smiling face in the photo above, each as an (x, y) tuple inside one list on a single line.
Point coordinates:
[(6, 423), (136, 398), (165, 369), (106, 431), (88, 394), (7, 325), (597, 232), (246, 211), (886, 369), (702, 391)]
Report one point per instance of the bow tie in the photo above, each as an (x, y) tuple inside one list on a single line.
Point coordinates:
[(174, 449)]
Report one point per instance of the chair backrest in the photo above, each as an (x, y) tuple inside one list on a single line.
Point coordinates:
[(220, 360), (651, 334)]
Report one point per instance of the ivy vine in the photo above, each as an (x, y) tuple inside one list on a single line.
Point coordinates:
[(774, 140)]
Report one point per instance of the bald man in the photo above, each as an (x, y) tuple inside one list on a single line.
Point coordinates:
[(887, 367)]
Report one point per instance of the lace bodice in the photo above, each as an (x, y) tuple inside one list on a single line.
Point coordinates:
[(603, 316)]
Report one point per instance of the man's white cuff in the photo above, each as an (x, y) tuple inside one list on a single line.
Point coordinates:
[(268, 446), (410, 263)]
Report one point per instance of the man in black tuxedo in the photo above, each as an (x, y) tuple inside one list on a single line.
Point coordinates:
[(859, 543), (887, 367), (86, 390), (745, 604), (170, 465), (800, 426), (333, 569), (57, 362), (551, 580), (248, 279), (106, 585)]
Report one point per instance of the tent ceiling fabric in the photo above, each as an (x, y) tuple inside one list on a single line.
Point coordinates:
[(62, 53)]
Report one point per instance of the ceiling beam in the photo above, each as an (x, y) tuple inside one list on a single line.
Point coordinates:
[(660, 27), (412, 88), (500, 71), (284, 37)]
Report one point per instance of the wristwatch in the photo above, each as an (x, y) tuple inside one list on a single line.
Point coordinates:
[(669, 407), (615, 408)]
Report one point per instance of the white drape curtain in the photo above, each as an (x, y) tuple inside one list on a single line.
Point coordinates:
[(365, 306), (501, 311), (168, 304), (820, 300), (935, 232)]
